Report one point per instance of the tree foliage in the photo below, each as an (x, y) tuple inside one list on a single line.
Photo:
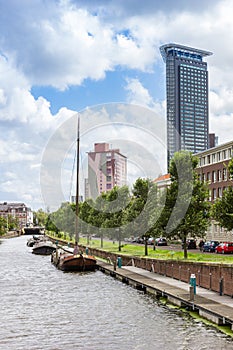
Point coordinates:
[(186, 210)]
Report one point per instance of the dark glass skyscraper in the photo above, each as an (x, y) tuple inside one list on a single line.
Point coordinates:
[(187, 98)]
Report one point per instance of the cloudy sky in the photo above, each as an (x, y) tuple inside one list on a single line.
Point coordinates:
[(60, 57)]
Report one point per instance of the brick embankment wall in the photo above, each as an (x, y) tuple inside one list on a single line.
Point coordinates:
[(212, 276), (11, 234)]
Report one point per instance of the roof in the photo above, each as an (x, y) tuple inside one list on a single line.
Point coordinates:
[(162, 178), (191, 50)]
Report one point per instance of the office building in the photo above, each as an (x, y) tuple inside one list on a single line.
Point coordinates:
[(187, 99), (106, 168)]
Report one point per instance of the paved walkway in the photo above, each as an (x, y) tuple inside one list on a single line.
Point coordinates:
[(205, 293)]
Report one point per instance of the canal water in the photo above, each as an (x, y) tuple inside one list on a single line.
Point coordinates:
[(45, 308)]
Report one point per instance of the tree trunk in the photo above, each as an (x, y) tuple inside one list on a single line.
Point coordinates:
[(185, 248), (146, 247)]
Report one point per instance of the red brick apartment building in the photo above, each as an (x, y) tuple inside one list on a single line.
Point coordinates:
[(212, 168), (18, 211)]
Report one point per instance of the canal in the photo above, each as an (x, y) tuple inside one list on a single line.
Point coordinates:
[(45, 308)]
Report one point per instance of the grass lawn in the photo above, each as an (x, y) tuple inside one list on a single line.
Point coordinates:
[(158, 253)]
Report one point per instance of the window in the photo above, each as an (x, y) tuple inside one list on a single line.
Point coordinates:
[(214, 176), (224, 174), (214, 193), (220, 192)]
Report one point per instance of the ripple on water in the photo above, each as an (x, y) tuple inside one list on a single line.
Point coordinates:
[(44, 308)]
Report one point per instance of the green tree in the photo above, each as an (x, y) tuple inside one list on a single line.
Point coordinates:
[(141, 211), (222, 210), (62, 220), (3, 226), (186, 210), (85, 214), (40, 217), (116, 201)]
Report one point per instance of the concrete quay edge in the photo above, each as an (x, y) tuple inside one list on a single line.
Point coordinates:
[(211, 306)]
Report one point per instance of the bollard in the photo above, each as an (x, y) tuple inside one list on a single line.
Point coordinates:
[(191, 293), (192, 282), (119, 262)]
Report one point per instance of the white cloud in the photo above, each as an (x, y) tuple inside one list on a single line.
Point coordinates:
[(64, 43)]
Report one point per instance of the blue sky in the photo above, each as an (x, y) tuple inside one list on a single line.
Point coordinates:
[(60, 57)]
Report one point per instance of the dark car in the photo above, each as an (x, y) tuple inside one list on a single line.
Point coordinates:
[(210, 246), (190, 244), (160, 241), (226, 247)]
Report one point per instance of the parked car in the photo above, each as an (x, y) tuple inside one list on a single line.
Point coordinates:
[(210, 246), (139, 240), (150, 240), (225, 248), (190, 244), (160, 241)]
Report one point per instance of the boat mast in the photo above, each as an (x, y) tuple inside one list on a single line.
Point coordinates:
[(77, 186)]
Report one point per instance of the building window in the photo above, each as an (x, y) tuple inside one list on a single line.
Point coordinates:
[(220, 192), (214, 176), (224, 174), (210, 195), (214, 193)]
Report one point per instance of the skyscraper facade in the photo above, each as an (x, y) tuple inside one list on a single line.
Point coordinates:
[(187, 98), (106, 168)]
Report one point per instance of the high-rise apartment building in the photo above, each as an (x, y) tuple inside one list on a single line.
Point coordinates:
[(106, 168), (187, 98)]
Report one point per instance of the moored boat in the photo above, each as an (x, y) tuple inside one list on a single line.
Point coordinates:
[(66, 260), (33, 240), (44, 247)]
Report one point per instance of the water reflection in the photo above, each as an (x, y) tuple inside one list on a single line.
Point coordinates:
[(45, 308)]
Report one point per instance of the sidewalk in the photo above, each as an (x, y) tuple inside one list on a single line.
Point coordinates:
[(210, 305), (205, 293)]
